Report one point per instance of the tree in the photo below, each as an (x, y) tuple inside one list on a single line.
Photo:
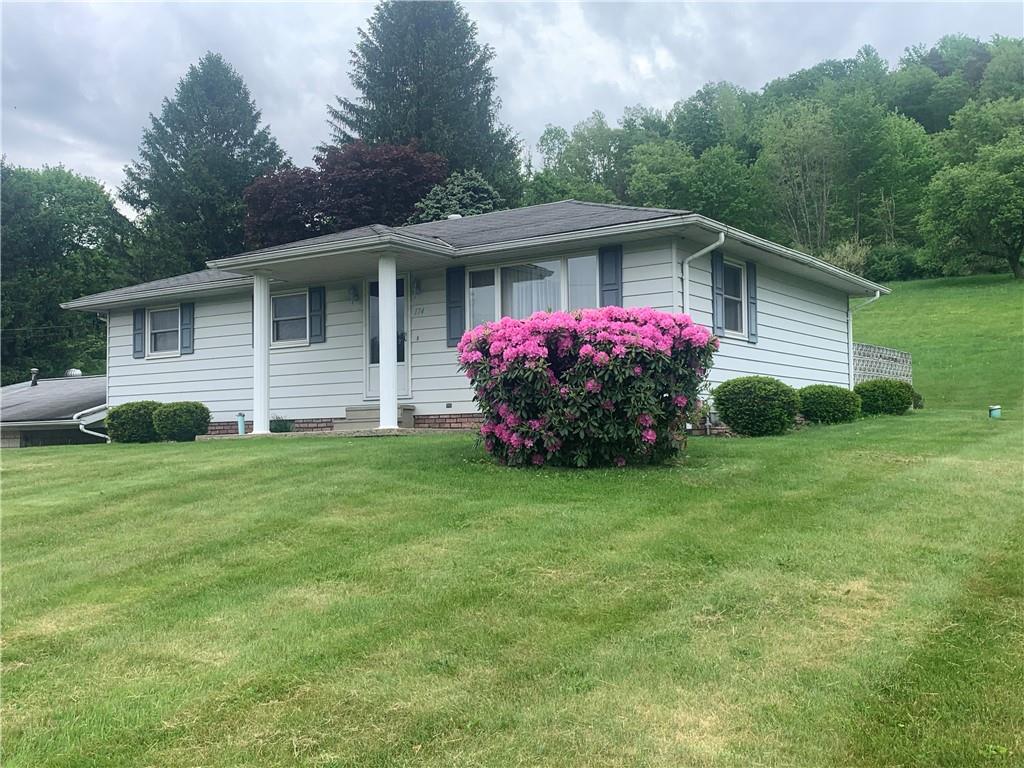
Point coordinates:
[(718, 113), (422, 76), (463, 193), (61, 238), (974, 210), (351, 186), (978, 124), (799, 166), (1004, 75), (194, 162), (549, 186)]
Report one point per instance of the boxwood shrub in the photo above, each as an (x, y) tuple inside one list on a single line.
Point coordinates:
[(757, 405), (132, 422), (885, 396), (829, 404), (181, 422), (595, 387)]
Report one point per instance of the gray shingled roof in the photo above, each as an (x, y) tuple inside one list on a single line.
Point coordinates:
[(202, 277), (481, 230), (51, 399)]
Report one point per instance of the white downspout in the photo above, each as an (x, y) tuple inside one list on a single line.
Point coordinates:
[(86, 412), (876, 297), (686, 268)]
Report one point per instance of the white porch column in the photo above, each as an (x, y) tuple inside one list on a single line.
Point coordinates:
[(387, 277), (261, 355)]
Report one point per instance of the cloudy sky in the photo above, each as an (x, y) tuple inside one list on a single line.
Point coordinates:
[(79, 80)]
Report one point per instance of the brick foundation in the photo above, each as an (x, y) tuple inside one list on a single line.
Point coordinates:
[(298, 425), (449, 421)]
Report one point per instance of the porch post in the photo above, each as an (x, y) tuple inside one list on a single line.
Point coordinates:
[(261, 355), (387, 280)]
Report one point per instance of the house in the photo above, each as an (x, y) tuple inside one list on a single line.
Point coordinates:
[(334, 330), (53, 411)]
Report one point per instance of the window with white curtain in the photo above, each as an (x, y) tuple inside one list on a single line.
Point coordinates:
[(583, 281), (482, 298), (529, 288)]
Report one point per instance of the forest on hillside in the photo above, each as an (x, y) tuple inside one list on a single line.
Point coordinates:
[(893, 170)]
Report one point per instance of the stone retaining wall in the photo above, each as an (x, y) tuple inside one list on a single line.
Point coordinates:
[(871, 362)]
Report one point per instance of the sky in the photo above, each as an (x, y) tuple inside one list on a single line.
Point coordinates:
[(79, 80)]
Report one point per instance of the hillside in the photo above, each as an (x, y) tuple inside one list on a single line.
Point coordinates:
[(966, 335)]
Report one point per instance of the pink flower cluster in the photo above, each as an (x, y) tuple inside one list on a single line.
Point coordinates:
[(615, 329)]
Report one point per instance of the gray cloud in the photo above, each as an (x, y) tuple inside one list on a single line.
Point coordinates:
[(80, 80)]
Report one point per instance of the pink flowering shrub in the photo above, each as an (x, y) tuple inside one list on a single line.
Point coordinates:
[(597, 387)]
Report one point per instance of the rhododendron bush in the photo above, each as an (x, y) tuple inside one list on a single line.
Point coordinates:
[(596, 387)]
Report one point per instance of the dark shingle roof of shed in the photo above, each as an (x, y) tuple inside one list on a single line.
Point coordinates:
[(51, 399)]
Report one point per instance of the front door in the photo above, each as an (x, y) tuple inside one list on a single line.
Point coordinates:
[(373, 340)]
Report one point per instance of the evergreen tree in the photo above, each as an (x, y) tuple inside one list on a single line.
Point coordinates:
[(422, 76), (465, 194), (194, 162)]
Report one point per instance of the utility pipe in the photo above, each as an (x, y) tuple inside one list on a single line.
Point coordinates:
[(686, 268), (87, 412)]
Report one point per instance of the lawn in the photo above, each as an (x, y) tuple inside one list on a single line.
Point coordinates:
[(846, 595)]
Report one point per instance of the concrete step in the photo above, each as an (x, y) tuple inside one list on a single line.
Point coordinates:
[(368, 417)]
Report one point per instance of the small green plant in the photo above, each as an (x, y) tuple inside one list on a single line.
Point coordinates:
[(132, 422), (278, 424), (181, 422), (757, 405), (885, 396), (829, 404)]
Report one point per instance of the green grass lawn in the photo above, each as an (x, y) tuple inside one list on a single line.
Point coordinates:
[(847, 595)]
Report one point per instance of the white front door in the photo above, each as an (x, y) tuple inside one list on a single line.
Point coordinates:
[(373, 338)]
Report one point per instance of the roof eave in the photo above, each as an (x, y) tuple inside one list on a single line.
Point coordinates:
[(90, 303)]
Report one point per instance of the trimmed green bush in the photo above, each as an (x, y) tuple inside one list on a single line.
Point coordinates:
[(181, 422), (884, 396), (829, 404), (757, 405), (132, 422)]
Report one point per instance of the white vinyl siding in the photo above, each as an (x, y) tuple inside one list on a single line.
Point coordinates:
[(313, 381), (801, 329)]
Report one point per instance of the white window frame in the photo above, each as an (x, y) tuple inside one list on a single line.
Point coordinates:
[(288, 342), (150, 354), (744, 334), (563, 286)]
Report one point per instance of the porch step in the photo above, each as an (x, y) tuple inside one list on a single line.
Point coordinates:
[(368, 417)]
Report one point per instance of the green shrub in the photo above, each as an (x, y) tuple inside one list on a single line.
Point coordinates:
[(279, 424), (829, 404), (132, 422), (181, 422), (885, 396), (757, 405), (892, 262)]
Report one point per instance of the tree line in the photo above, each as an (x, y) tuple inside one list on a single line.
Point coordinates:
[(892, 172)]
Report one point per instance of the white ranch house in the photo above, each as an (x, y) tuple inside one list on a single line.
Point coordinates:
[(333, 330)]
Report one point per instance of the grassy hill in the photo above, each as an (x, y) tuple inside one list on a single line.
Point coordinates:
[(966, 335), (846, 595)]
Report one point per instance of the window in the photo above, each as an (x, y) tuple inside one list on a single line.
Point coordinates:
[(374, 325), (529, 288), (583, 282), (164, 331), (482, 297), (289, 319), (735, 297)]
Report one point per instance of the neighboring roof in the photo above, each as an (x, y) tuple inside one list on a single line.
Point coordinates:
[(533, 226), (203, 279), (51, 399)]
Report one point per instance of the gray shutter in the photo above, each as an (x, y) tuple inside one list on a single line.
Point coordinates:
[(187, 322), (455, 301), (317, 315), (138, 333), (718, 293), (609, 262), (751, 302)]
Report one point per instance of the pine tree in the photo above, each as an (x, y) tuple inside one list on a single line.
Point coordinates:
[(195, 160), (422, 76)]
